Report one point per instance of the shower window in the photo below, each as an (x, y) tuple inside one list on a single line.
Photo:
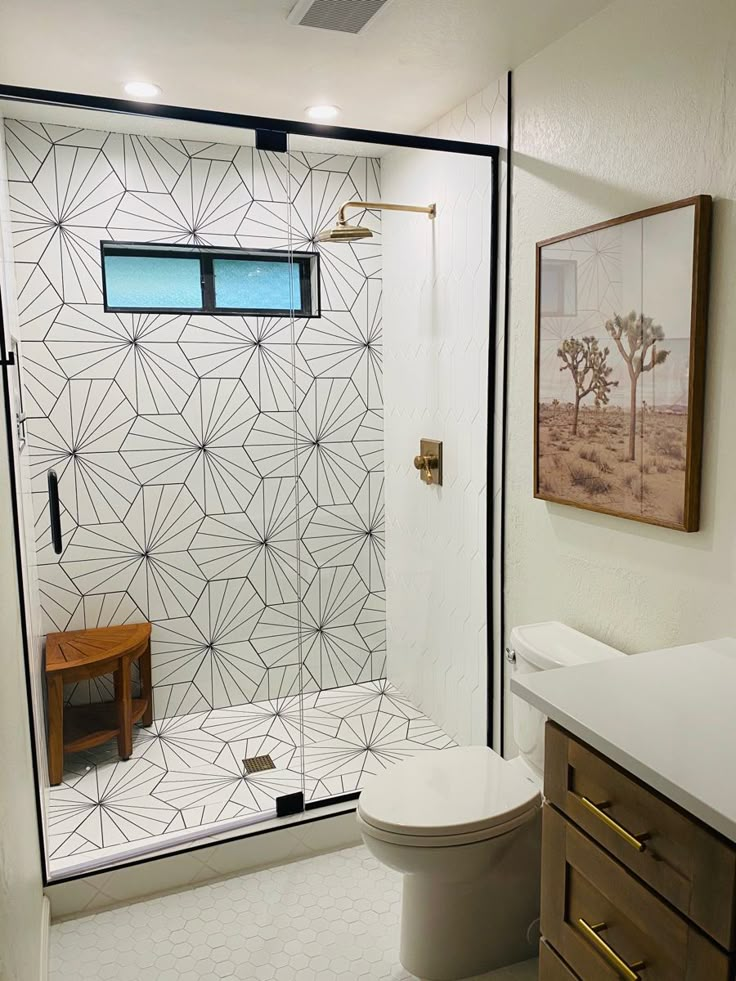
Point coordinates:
[(151, 279)]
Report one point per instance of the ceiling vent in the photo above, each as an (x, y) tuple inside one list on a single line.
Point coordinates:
[(347, 16)]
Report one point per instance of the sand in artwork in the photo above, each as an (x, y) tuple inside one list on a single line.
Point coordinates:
[(592, 467)]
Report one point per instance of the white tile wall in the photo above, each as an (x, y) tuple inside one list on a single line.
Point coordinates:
[(176, 437), (436, 334)]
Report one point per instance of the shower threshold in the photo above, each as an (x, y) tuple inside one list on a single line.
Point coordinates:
[(186, 779)]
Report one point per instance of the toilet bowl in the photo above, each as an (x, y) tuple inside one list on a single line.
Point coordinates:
[(463, 826)]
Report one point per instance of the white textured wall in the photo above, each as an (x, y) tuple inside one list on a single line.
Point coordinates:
[(20, 868), (634, 108), (436, 308)]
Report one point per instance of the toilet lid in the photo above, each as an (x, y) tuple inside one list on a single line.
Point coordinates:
[(447, 792)]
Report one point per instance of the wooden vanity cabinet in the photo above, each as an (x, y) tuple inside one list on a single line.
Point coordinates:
[(632, 887)]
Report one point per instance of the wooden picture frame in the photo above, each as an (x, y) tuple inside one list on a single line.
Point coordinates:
[(619, 365)]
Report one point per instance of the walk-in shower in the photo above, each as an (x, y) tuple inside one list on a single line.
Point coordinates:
[(231, 383)]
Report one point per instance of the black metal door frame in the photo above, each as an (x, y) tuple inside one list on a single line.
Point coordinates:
[(272, 132)]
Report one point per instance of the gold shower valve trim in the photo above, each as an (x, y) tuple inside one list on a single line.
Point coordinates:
[(429, 461)]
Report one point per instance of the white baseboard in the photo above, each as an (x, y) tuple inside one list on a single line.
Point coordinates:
[(43, 969)]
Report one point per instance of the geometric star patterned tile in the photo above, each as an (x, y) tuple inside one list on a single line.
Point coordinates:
[(205, 207), (202, 447), (332, 647), (258, 350), (211, 649), (203, 458), (81, 439), (145, 555), (224, 790), (369, 440), (38, 301), (371, 624), (277, 639), (109, 805), (364, 744), (139, 350), (330, 415), (178, 743), (371, 696), (27, 145), (344, 344), (56, 216), (294, 718), (259, 542), (352, 534), (187, 772), (43, 379), (146, 163)]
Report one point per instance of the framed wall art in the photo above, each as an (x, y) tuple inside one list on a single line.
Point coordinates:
[(621, 310)]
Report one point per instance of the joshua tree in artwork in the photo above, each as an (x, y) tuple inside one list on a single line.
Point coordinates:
[(636, 338), (587, 363)]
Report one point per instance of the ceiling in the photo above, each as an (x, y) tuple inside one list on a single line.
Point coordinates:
[(417, 60)]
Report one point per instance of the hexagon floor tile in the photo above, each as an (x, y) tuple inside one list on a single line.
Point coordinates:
[(330, 918)]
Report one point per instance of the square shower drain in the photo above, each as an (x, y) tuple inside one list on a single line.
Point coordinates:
[(255, 764)]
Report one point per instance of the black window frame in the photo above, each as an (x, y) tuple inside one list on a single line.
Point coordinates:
[(307, 262)]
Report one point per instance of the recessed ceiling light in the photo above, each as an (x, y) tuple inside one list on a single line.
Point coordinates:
[(322, 114), (142, 90)]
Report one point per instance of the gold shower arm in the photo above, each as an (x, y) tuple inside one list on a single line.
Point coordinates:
[(430, 210)]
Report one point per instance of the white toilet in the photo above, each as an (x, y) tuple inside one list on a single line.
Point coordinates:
[(463, 826)]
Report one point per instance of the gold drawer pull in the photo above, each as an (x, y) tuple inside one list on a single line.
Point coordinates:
[(636, 841), (627, 971)]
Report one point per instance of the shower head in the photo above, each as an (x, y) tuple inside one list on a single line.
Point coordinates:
[(342, 232)]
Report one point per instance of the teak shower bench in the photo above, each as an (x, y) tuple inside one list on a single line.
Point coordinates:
[(79, 655)]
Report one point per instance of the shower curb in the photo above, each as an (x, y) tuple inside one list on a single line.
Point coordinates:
[(214, 860)]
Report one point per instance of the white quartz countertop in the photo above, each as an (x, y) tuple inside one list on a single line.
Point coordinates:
[(668, 717)]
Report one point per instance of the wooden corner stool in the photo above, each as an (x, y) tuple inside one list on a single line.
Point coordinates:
[(79, 655)]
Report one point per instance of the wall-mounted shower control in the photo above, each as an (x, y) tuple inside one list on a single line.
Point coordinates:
[(429, 461)]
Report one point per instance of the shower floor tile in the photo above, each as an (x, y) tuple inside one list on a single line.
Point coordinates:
[(330, 918), (187, 772)]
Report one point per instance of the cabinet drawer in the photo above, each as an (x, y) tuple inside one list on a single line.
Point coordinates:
[(683, 861), (595, 912), (552, 967)]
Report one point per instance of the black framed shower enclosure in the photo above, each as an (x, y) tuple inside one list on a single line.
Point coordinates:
[(270, 135)]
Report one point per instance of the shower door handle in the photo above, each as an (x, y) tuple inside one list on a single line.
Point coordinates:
[(54, 511)]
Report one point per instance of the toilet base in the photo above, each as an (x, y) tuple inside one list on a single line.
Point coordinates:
[(453, 930)]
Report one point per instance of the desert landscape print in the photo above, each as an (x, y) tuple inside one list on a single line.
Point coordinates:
[(615, 316)]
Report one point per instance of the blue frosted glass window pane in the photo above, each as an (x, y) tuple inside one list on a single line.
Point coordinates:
[(153, 282), (254, 285)]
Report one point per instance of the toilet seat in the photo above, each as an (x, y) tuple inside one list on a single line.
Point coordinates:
[(448, 797)]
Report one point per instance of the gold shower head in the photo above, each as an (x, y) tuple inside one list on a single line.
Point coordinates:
[(342, 232)]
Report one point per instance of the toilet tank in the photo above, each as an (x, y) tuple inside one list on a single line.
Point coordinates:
[(539, 647)]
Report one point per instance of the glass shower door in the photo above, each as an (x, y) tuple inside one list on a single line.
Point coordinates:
[(273, 734), (172, 434), (339, 429)]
